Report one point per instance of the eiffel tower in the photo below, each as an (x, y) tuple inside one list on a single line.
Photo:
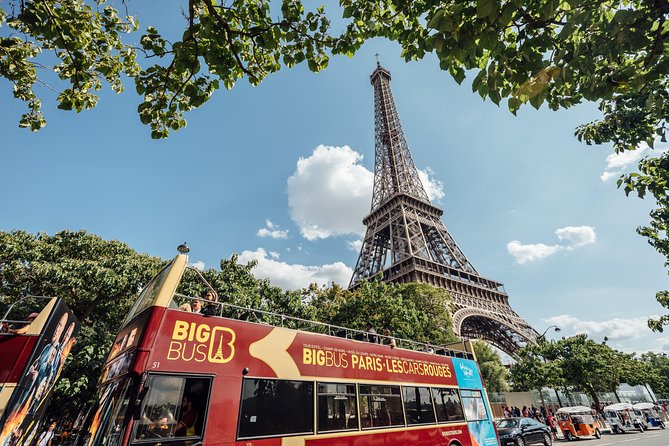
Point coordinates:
[(407, 242)]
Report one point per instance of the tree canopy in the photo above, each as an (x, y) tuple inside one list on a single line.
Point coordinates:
[(553, 52), (100, 279), (495, 375), (580, 363)]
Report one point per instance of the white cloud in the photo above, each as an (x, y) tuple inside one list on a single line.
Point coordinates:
[(199, 265), (330, 192), (606, 176), (271, 231), (433, 187), (577, 236), (572, 237), (529, 253), (274, 254), (617, 162), (615, 329), (355, 245), (296, 276)]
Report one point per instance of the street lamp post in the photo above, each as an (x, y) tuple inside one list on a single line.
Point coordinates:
[(554, 327)]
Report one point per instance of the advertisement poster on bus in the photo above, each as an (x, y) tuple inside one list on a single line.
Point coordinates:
[(481, 428), (29, 400)]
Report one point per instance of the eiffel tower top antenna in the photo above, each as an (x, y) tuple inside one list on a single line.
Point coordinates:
[(378, 64)]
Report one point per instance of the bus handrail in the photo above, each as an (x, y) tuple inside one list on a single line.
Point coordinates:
[(334, 330), (30, 296)]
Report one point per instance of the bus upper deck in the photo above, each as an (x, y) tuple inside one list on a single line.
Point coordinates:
[(178, 377)]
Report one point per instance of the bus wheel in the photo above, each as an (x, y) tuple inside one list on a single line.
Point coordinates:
[(598, 434), (568, 436), (548, 441)]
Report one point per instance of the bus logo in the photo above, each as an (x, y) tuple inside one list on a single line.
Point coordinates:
[(200, 343), (467, 372)]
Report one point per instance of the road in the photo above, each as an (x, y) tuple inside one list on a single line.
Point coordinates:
[(653, 437)]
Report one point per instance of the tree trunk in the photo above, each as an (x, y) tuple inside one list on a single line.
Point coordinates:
[(543, 403), (557, 395), (617, 397)]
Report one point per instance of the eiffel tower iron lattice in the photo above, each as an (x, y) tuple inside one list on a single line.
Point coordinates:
[(407, 242)]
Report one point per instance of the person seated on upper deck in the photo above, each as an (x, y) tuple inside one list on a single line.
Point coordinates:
[(210, 309), (24, 327), (371, 334), (387, 339), (196, 307)]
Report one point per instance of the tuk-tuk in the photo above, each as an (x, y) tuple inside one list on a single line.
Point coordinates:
[(577, 422), (623, 418), (650, 412)]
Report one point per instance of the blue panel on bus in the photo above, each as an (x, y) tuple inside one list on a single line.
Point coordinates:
[(475, 404), (467, 373)]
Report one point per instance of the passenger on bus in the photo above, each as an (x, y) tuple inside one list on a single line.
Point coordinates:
[(196, 307), (371, 334), (387, 339), (210, 309), (186, 424), (24, 327)]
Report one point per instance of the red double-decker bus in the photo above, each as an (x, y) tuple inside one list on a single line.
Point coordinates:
[(175, 377)]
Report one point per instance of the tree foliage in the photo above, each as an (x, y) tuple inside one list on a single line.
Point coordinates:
[(100, 279), (554, 52), (580, 363), (495, 375), (659, 362)]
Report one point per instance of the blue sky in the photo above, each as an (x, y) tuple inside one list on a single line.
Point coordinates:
[(282, 173)]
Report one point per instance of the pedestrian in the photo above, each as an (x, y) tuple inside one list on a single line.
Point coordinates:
[(550, 420), (46, 436), (525, 412)]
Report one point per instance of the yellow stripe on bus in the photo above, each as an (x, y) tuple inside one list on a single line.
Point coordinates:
[(273, 351)]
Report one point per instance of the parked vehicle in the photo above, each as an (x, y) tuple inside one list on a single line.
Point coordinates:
[(577, 422), (622, 418), (650, 413), (523, 431)]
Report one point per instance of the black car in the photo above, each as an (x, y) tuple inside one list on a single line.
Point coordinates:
[(523, 431)]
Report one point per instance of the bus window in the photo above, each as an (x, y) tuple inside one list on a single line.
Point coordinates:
[(380, 406), (174, 407), (448, 406), (418, 405), (272, 407), (337, 408), (472, 401)]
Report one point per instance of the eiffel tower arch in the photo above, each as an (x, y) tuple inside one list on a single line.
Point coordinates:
[(406, 241)]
